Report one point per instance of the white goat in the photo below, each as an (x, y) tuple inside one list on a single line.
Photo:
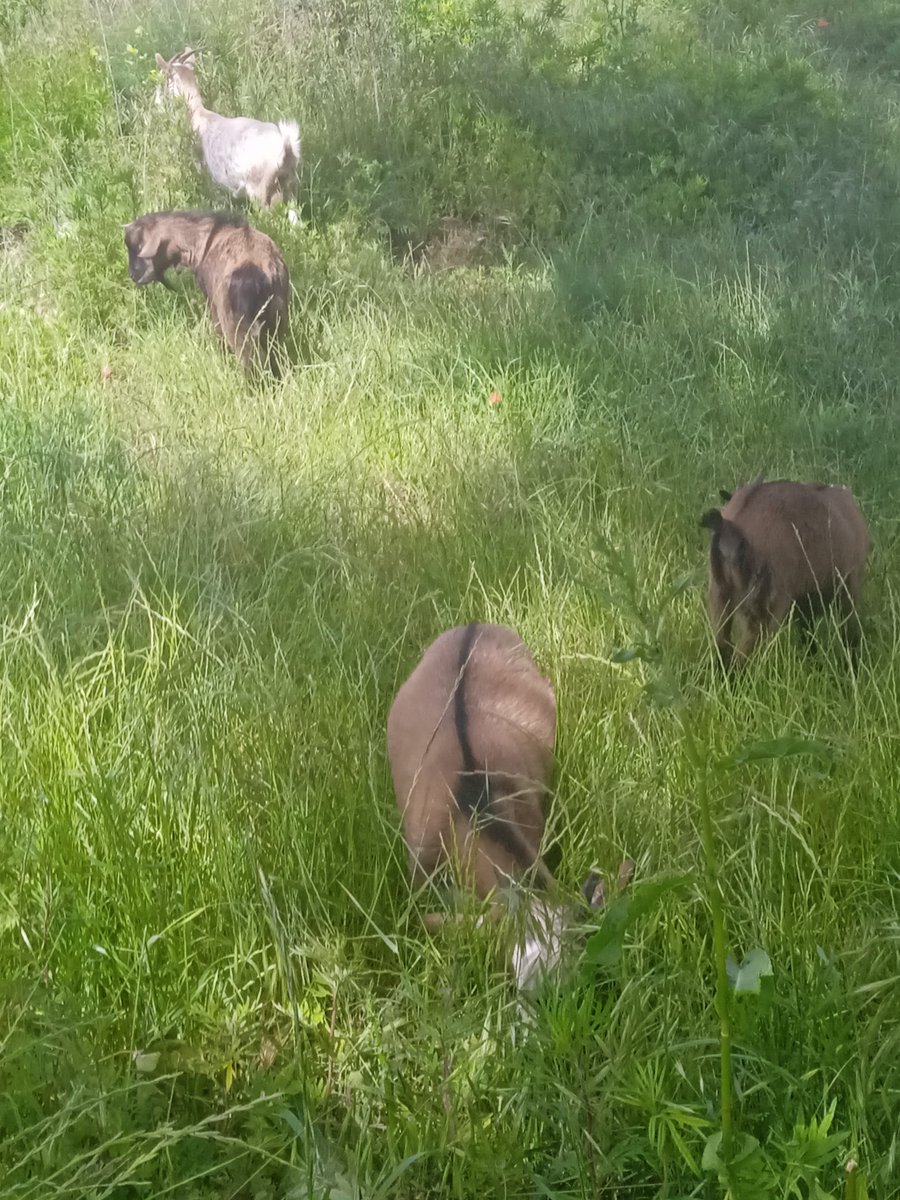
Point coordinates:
[(258, 159)]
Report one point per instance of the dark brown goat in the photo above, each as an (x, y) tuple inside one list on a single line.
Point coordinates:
[(780, 545), (238, 269)]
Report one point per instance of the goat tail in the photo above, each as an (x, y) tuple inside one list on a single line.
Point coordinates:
[(290, 131)]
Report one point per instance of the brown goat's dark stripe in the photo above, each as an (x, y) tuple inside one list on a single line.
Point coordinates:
[(473, 785), (460, 716)]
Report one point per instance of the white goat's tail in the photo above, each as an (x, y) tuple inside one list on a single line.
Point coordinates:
[(291, 134)]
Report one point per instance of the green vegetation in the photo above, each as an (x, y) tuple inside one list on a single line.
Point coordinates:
[(673, 230)]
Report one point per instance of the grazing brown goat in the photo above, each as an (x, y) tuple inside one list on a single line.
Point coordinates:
[(471, 735), (238, 269), (778, 546)]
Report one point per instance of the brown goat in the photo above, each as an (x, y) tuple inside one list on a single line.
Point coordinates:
[(778, 546), (238, 269), (470, 741), (471, 736)]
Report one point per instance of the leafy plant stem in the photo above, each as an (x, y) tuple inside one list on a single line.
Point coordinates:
[(717, 908)]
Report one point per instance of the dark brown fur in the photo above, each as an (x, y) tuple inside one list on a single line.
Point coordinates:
[(778, 546), (238, 269)]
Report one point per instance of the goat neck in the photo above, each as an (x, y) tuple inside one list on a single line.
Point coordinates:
[(189, 241), (200, 116)]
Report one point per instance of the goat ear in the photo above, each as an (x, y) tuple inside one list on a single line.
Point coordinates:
[(161, 62)]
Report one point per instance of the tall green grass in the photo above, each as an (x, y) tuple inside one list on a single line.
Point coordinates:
[(675, 261)]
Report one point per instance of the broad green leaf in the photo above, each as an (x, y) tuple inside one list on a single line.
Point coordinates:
[(711, 1160), (661, 694), (747, 1175), (290, 1119), (783, 747), (626, 654), (747, 1146), (604, 947), (146, 1063), (748, 976)]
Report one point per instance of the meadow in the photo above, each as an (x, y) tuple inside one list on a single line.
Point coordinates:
[(665, 235)]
